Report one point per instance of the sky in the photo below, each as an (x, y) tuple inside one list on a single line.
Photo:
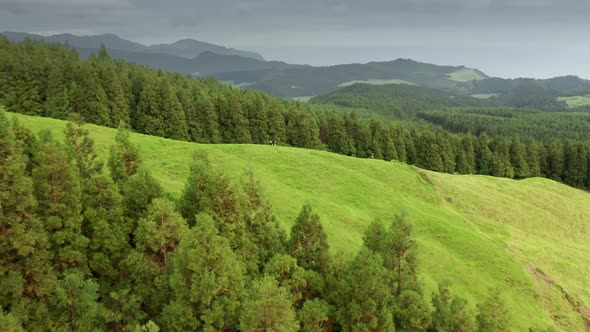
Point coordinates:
[(504, 38)]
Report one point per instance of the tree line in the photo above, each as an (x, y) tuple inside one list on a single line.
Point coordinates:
[(51, 80), (84, 249)]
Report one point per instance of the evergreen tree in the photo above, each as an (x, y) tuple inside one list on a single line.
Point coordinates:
[(276, 123), (26, 277), (469, 148), (268, 308), (533, 158), (398, 248), (159, 233), (485, 157), (80, 148), (555, 161), (171, 115), (138, 193), (493, 315), (366, 302), (451, 312), (57, 191), (518, 159), (412, 312), (124, 158), (265, 236), (75, 306), (308, 242), (207, 281), (501, 165), (88, 98), (315, 316)]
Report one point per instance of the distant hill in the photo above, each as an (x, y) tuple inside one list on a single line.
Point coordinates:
[(248, 69), (186, 48), (313, 81), (190, 48), (398, 100)]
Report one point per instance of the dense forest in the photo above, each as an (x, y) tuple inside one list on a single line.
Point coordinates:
[(51, 80), (86, 249)]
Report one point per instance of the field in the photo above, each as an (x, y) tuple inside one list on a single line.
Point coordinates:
[(466, 75), (376, 82), (527, 238), (576, 101), (304, 99), (484, 95)]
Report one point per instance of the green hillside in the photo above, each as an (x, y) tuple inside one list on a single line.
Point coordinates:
[(528, 238)]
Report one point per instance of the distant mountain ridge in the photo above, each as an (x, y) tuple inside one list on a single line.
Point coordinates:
[(250, 70), (185, 48)]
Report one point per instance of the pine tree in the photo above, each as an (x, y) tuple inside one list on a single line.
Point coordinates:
[(206, 190), (366, 302), (257, 120), (207, 281), (493, 315), (268, 308), (533, 159), (398, 248), (74, 304), (149, 119), (159, 233), (451, 312), (171, 115), (89, 98), (315, 316), (138, 193), (57, 190), (485, 156), (266, 238), (412, 312), (80, 148), (469, 146), (276, 123), (501, 165), (555, 161), (518, 159), (308, 242), (124, 158), (26, 278)]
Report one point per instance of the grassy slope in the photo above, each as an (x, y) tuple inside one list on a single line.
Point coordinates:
[(466, 75), (376, 82), (476, 231), (576, 101)]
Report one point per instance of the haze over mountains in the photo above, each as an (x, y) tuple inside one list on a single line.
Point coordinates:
[(249, 69)]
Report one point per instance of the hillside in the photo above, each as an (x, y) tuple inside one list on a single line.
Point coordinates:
[(185, 48), (314, 81), (529, 238), (398, 100)]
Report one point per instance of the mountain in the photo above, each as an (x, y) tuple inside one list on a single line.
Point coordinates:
[(527, 238), (189, 48), (248, 69), (186, 48), (313, 81), (398, 100)]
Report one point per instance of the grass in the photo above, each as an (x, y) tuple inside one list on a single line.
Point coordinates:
[(466, 75), (485, 95), (304, 99), (527, 238), (376, 82), (576, 101)]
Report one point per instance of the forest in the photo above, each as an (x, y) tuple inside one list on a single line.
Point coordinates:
[(88, 246), (50, 80)]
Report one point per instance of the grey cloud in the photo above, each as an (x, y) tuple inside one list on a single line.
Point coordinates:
[(506, 37)]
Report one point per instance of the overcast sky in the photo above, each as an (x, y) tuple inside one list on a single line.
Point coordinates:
[(507, 38)]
